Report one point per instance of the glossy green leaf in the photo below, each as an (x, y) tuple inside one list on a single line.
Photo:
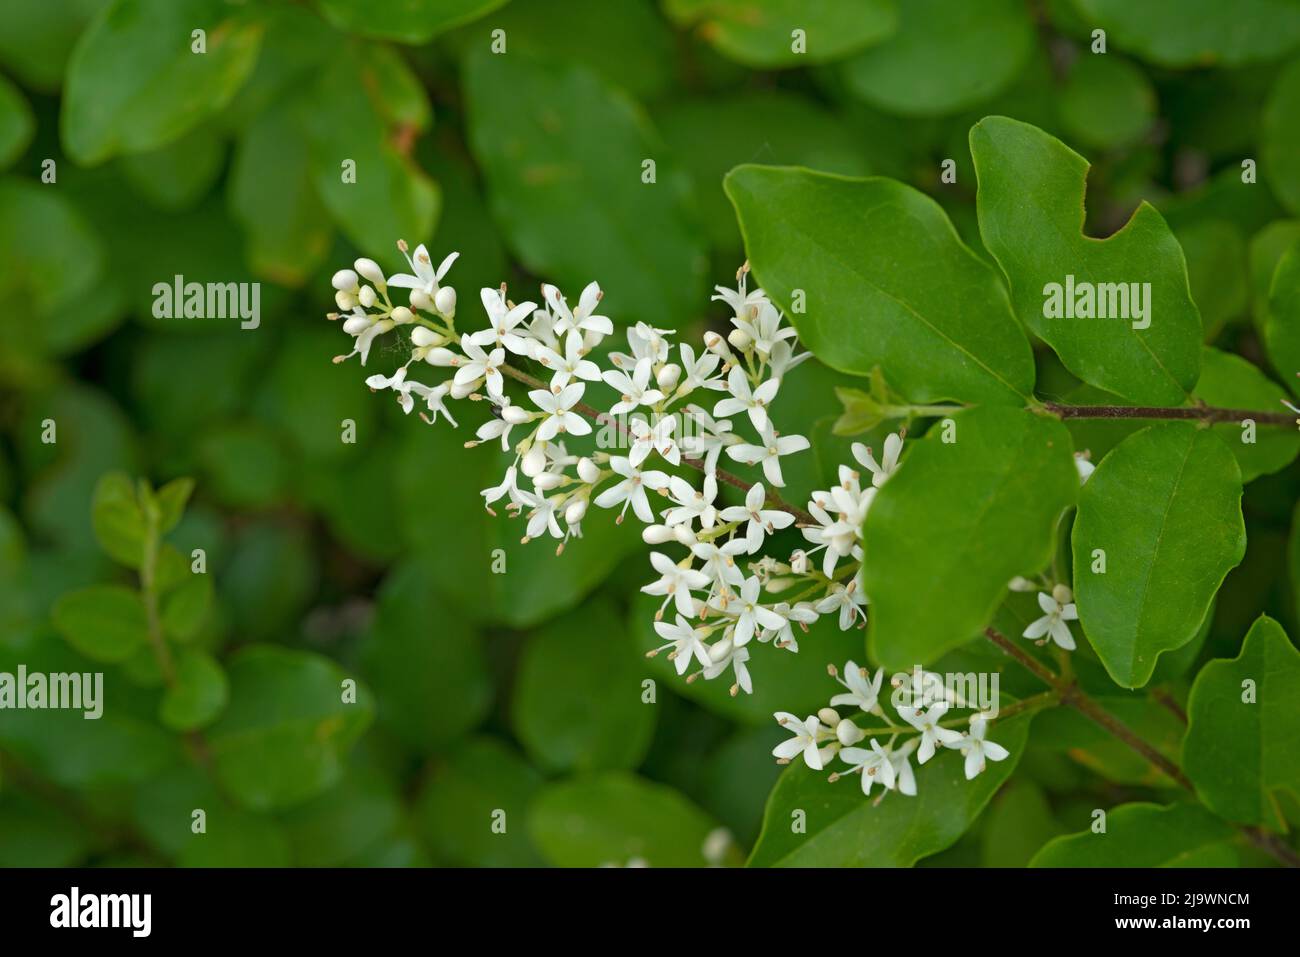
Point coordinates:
[(347, 823), (1198, 33), (843, 828), (551, 139), (1146, 835), (198, 695), (1215, 251), (1031, 208), (1280, 135), (617, 819), (957, 522), (428, 667), (761, 33), (1265, 251), (408, 21), (1106, 102), (103, 622), (480, 784), (135, 83), (944, 57), (886, 282), (1242, 749), (16, 123), (287, 729), (1164, 507), (185, 607), (1282, 333), (36, 39), (1230, 382), (1018, 823), (177, 176), (119, 522)]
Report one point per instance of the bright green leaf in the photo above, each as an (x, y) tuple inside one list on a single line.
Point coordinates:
[(1230, 382), (1146, 835), (118, 520), (16, 123), (408, 21), (1106, 102), (103, 622), (1185, 33), (1282, 333), (198, 694)]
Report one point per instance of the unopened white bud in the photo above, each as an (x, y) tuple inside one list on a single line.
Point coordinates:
[(684, 535), (574, 513), (346, 301), (668, 376), (716, 344), (420, 300), (367, 296), (345, 280), (587, 470), (460, 390), (423, 336), (440, 357), (1021, 584), (828, 716), (356, 325), (547, 481), (656, 534), (719, 650), (514, 415), (1062, 594), (402, 316), (445, 300), (740, 339), (371, 271), (534, 462), (849, 733)]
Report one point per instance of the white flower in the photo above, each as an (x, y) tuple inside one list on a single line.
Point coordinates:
[(720, 560), (658, 438), (559, 417), (504, 418), (433, 401), (481, 365), (542, 517), (743, 400), (567, 366), (692, 503), (898, 757), (699, 372), (581, 320), (736, 659), (365, 328), (742, 302), (506, 488), (836, 534), (863, 691), (800, 613), (426, 278), (932, 736), (761, 521), (874, 764), (848, 600), (397, 382), (752, 616), (705, 439), (631, 491), (888, 464), (764, 329), (783, 358), (633, 389), (503, 319), (807, 734), (685, 641), (769, 453), (976, 749), (675, 581), (1084, 466), (1058, 608)]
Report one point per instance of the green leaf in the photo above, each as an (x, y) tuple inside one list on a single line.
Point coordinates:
[(119, 523), (1282, 333), (37, 835), (177, 176), (1031, 209), (957, 522), (429, 668), (760, 33), (577, 702), (1280, 137), (286, 731), (1293, 559), (1266, 249), (199, 694), (344, 114), (1106, 101), (886, 281), (346, 823), (134, 83), (1242, 749), (37, 38), (617, 819), (549, 139), (185, 607), (944, 58), (481, 782), (1146, 835), (1017, 824), (1215, 251), (844, 828), (103, 622), (16, 123), (407, 21), (1165, 508), (1230, 382), (171, 499), (1184, 33), (1093, 747)]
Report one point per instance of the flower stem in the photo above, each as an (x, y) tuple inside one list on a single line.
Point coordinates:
[(1200, 413)]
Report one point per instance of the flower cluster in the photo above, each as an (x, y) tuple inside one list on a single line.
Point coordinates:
[(922, 701), (673, 405)]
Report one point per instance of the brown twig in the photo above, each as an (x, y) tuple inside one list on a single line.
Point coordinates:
[(1202, 413)]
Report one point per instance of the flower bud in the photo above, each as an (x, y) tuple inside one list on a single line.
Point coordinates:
[(445, 300), (547, 481), (574, 513), (740, 339), (1062, 594), (534, 462), (719, 650), (587, 470), (371, 271), (345, 301), (440, 357), (420, 300), (716, 344), (684, 535), (402, 316), (829, 717), (668, 376), (423, 336), (367, 296), (356, 325), (849, 733), (460, 390), (1021, 584), (656, 534), (345, 280), (514, 415)]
